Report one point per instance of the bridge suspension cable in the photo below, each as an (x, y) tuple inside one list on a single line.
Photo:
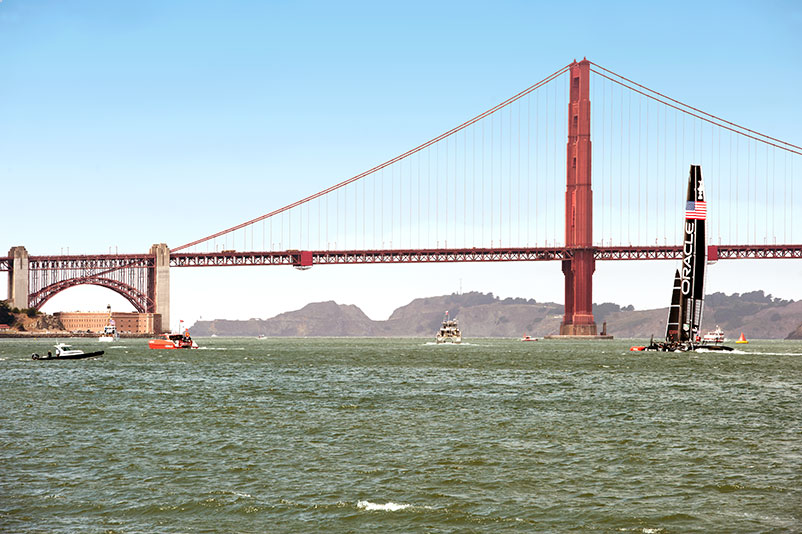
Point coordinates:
[(442, 169), (498, 180), (643, 145)]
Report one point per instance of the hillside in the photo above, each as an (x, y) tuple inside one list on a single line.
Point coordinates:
[(484, 315), (28, 320)]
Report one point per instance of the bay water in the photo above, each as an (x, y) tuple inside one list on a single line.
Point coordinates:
[(400, 435)]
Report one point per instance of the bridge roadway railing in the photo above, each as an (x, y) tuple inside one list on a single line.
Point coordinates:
[(307, 258), (101, 264)]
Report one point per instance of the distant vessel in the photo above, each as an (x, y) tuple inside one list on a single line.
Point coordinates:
[(742, 339), (110, 330), (716, 336), (528, 338), (173, 341), (449, 331), (66, 352), (261, 336), (687, 297)]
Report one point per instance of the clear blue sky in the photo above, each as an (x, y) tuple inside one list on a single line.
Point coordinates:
[(124, 124)]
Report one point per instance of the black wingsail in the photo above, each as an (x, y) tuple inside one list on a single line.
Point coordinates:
[(694, 260)]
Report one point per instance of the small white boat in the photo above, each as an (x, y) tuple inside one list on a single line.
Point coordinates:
[(449, 331), (66, 352), (528, 338), (109, 334), (109, 331), (716, 336)]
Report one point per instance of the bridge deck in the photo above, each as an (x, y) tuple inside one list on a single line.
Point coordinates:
[(298, 258)]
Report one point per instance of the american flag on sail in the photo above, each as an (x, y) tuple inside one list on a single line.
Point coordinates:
[(696, 210)]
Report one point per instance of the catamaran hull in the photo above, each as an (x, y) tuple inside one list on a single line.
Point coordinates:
[(664, 347)]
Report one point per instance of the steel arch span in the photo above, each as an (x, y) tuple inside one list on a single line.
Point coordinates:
[(139, 300)]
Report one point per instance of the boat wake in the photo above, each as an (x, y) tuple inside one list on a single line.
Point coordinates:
[(733, 351), (388, 507), (770, 353)]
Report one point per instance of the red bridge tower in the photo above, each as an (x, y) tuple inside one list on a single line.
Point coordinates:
[(578, 270)]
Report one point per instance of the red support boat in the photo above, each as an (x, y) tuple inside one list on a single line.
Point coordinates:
[(173, 341)]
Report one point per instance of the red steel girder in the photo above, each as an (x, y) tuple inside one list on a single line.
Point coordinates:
[(333, 257), (715, 252), (343, 257), (137, 298)]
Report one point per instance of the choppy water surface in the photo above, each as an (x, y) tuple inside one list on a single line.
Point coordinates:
[(344, 435)]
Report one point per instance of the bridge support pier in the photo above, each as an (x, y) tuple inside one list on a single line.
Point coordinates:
[(159, 284), (18, 281), (578, 271)]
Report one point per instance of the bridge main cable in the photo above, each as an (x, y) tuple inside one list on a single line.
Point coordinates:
[(382, 165), (695, 112)]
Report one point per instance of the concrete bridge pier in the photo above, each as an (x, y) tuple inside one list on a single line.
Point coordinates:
[(18, 278), (159, 284)]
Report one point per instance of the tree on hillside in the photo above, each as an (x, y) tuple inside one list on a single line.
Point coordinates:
[(6, 317)]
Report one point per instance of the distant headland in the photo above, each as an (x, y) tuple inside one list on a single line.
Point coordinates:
[(759, 315), (485, 315)]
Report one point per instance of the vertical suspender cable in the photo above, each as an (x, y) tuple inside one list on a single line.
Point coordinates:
[(640, 173), (509, 181), (528, 167), (500, 171), (602, 151), (446, 195), (547, 176), (612, 142), (718, 183), (429, 194), (767, 195), (518, 199), (737, 185), (629, 166), (621, 223), (748, 187), (556, 167), (665, 175), (733, 209), (492, 174), (419, 197), (437, 194), (537, 170)]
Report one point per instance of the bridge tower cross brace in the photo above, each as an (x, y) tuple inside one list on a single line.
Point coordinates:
[(578, 270)]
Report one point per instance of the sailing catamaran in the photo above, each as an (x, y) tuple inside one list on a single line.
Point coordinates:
[(687, 297)]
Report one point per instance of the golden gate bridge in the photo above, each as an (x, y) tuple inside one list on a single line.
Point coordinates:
[(542, 176)]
